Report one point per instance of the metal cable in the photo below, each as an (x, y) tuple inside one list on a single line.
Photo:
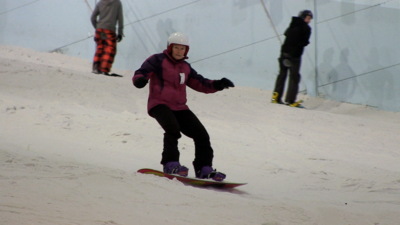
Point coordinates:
[(270, 20), (359, 75), (87, 3), (376, 5), (363, 74), (19, 7)]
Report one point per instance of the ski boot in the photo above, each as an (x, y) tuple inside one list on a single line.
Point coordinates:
[(176, 168)]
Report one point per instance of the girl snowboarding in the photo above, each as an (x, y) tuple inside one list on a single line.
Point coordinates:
[(169, 75)]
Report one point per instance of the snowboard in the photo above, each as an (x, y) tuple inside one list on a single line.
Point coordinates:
[(113, 75), (296, 104), (109, 74), (192, 181)]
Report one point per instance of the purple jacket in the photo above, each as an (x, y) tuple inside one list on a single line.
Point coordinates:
[(168, 81)]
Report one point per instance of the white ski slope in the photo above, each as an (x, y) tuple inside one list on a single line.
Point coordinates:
[(71, 143)]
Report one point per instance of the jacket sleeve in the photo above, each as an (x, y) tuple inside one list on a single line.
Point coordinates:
[(305, 36), (120, 20), (147, 69), (93, 18), (198, 83)]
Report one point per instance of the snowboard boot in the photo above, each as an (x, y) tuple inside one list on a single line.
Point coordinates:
[(95, 70), (275, 98), (176, 168), (208, 172), (296, 104)]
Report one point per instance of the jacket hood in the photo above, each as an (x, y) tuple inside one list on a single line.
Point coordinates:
[(297, 21)]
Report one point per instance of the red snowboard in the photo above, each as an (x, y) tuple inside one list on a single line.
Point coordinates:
[(192, 181)]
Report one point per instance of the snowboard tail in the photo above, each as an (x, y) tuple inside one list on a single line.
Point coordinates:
[(190, 180)]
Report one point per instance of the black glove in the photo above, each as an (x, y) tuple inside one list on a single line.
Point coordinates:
[(119, 38), (222, 84), (140, 82)]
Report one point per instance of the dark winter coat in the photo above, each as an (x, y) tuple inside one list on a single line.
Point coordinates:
[(297, 37), (168, 81)]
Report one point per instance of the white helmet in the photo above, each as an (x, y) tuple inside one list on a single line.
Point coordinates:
[(178, 38)]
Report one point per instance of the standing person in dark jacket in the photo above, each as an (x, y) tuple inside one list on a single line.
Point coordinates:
[(297, 37), (110, 13), (169, 75)]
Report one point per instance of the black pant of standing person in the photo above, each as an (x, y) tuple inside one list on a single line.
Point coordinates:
[(292, 66)]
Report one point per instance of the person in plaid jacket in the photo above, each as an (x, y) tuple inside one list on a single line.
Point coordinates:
[(110, 14)]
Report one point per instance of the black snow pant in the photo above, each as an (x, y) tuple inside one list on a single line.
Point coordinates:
[(294, 79), (175, 122)]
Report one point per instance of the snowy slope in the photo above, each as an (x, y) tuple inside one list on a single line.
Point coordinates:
[(71, 143)]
